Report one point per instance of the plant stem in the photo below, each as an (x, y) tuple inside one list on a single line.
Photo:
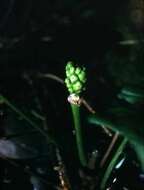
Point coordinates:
[(78, 132), (114, 139), (113, 163)]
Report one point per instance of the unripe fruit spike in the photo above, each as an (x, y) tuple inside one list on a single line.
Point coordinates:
[(75, 78)]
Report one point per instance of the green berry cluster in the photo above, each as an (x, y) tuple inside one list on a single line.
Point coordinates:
[(75, 78)]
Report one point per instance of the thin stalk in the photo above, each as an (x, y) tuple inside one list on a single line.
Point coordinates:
[(114, 139), (91, 110), (51, 76), (78, 132), (37, 100), (113, 163)]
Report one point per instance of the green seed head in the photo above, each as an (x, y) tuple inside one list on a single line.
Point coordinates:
[(75, 78)]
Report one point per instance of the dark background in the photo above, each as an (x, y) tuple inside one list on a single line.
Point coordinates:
[(41, 36)]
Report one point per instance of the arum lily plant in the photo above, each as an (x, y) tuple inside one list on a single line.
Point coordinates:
[(75, 83)]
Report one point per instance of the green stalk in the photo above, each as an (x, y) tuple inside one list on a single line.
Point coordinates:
[(113, 163), (78, 133)]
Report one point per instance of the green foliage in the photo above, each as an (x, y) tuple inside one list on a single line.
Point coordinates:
[(129, 124), (132, 94), (113, 163)]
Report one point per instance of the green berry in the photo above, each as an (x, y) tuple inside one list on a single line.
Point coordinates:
[(77, 86), (77, 70), (69, 65), (73, 78), (70, 90), (67, 73), (71, 70), (67, 81), (82, 76)]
